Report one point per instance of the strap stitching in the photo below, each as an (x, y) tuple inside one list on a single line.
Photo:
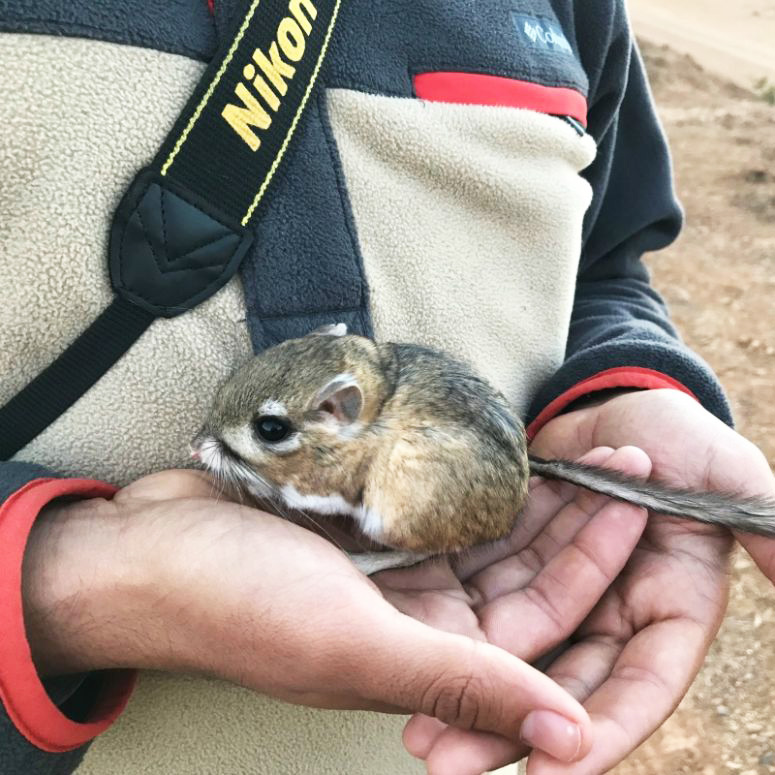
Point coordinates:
[(147, 235), (300, 110), (209, 93)]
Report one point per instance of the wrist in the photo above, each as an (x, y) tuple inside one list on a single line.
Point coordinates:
[(598, 397), (78, 585)]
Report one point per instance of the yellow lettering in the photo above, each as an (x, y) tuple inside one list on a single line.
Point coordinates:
[(241, 119), (275, 69), (263, 88), (291, 39), (295, 7), (277, 72)]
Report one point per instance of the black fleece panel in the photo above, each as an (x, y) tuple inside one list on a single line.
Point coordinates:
[(17, 755), (13, 476), (305, 269), (618, 319), (378, 47), (178, 26)]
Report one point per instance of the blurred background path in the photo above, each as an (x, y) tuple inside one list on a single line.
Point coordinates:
[(735, 38)]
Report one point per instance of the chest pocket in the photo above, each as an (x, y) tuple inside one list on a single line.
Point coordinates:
[(458, 180), (461, 152), (381, 51)]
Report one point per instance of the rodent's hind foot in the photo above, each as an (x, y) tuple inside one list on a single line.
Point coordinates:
[(373, 562)]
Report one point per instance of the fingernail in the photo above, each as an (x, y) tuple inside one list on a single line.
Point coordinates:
[(551, 733)]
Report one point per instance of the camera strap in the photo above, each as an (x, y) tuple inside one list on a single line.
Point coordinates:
[(183, 226)]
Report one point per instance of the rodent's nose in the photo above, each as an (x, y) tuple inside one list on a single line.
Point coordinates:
[(194, 452)]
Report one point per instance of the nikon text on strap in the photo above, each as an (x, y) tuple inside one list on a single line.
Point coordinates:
[(182, 228)]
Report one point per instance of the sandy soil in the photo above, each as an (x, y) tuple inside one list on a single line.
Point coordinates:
[(719, 280)]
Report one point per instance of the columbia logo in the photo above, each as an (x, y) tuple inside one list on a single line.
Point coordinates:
[(541, 33)]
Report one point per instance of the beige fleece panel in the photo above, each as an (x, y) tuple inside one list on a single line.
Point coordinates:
[(469, 219), (213, 728), (78, 119)]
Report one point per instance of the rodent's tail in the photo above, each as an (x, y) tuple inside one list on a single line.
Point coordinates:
[(748, 515)]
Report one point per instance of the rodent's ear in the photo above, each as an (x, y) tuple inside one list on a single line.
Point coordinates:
[(342, 398), (334, 329)]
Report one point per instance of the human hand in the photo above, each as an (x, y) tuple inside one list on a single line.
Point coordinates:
[(636, 655), (624, 663), (165, 576), (526, 594)]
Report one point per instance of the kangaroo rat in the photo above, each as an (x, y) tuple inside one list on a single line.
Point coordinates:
[(427, 457)]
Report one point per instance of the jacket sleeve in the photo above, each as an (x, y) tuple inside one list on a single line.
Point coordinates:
[(620, 334), (45, 726)]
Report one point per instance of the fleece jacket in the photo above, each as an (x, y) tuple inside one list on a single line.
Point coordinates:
[(480, 177)]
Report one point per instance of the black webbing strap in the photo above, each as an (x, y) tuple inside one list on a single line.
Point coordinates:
[(182, 227), (33, 409)]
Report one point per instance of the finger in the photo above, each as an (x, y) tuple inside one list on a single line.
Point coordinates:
[(585, 505), (432, 574), (566, 436), (420, 734), (168, 485), (761, 482), (517, 571), (646, 684), (583, 668), (431, 593), (440, 611), (531, 620), (762, 551), (545, 500), (465, 752), (462, 682), (527, 616)]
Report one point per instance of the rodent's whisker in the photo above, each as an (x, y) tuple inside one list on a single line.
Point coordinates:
[(247, 474), (219, 486), (320, 526)]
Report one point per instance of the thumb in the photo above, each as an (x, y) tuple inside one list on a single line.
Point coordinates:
[(759, 481), (472, 685), (567, 436), (762, 551)]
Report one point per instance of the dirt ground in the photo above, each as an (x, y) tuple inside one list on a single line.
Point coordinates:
[(719, 280)]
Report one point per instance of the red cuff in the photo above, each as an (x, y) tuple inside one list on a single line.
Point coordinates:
[(21, 691), (621, 377)]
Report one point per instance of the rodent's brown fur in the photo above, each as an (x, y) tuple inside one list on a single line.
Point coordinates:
[(439, 480)]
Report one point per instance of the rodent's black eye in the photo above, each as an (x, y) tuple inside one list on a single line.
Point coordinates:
[(271, 428)]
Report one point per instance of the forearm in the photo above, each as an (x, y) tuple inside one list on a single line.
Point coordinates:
[(76, 584), (44, 724), (104, 589)]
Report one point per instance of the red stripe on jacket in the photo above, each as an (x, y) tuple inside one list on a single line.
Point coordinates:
[(479, 89)]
